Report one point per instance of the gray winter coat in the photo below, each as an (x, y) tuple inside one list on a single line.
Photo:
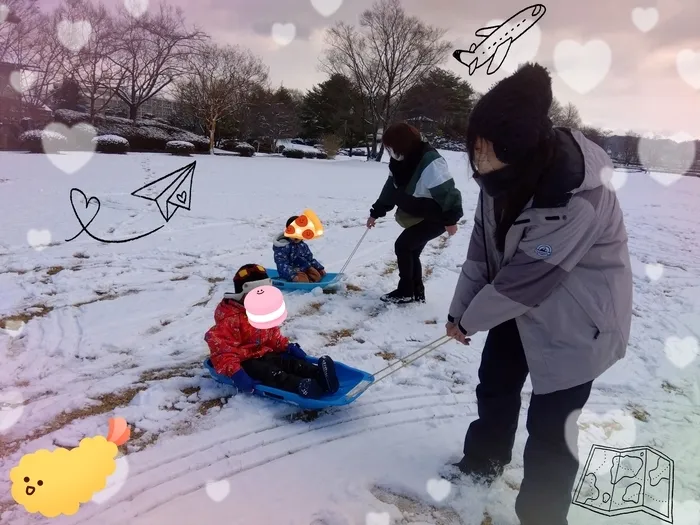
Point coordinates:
[(565, 274)]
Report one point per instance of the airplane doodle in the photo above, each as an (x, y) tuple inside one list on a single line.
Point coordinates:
[(494, 48), (172, 191)]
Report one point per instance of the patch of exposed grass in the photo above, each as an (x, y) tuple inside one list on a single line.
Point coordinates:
[(439, 358), (428, 272), (53, 270), (638, 412), (671, 389), (180, 278), (106, 296), (214, 280), (335, 336), (353, 288), (206, 406), (168, 373), (387, 356), (431, 321), (307, 416), (443, 243), (311, 309), (188, 391), (81, 255), (105, 403), (140, 438), (39, 310), (391, 267), (487, 519)]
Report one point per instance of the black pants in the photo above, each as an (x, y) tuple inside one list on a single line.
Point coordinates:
[(408, 248), (280, 371), (550, 468)]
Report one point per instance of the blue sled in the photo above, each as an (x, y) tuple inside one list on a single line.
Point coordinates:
[(353, 383), (330, 279)]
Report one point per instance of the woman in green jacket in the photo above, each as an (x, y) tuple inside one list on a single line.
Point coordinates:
[(428, 204)]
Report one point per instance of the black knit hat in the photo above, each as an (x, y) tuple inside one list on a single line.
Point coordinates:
[(249, 273), (513, 114)]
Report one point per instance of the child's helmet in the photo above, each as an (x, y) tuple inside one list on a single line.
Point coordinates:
[(249, 277)]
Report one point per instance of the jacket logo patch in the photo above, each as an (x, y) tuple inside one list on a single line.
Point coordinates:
[(543, 250)]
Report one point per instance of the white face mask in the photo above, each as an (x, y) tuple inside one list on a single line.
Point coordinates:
[(394, 155)]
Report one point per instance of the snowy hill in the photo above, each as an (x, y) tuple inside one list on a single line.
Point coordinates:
[(117, 329)]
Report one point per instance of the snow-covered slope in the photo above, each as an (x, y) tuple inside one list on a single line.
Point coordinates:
[(117, 329)]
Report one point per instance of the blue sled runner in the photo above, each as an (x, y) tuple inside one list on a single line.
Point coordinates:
[(328, 280), (353, 383)]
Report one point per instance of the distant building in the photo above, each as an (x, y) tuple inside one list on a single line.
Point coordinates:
[(156, 106)]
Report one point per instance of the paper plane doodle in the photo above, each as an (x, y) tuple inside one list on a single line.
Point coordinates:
[(170, 192), (627, 480), (494, 48), (305, 227)]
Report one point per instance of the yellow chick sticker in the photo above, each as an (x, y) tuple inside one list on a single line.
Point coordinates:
[(58, 482)]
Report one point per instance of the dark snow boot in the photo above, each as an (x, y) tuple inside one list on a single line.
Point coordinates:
[(327, 377), (419, 293), (397, 297), (484, 476), (310, 388)]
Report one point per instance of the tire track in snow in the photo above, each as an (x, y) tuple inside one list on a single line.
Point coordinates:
[(229, 456), (168, 486)]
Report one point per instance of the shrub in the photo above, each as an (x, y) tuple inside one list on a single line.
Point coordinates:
[(143, 135), (111, 144), (244, 149), (310, 154), (82, 136), (180, 147), (331, 145), (293, 153), (321, 155), (32, 141)]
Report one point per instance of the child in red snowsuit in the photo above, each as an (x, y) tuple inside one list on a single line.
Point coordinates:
[(253, 356)]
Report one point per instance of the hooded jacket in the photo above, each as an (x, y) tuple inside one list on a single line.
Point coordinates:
[(565, 274), (292, 257), (233, 339), (428, 192)]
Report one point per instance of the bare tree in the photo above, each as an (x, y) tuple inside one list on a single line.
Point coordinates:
[(92, 68), (629, 154), (220, 82), (19, 26), (45, 55), (152, 51), (389, 54)]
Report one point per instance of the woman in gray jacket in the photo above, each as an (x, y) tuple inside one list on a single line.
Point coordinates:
[(548, 275)]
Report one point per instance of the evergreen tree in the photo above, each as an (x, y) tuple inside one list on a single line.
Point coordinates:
[(67, 95), (333, 107)]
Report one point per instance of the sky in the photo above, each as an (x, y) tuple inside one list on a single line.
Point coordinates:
[(641, 88)]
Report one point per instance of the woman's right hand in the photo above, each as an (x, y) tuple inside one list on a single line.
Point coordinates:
[(370, 222)]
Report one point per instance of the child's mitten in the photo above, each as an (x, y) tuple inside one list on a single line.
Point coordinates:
[(295, 350), (244, 382)]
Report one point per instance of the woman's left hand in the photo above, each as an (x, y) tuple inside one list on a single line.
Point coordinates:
[(451, 230)]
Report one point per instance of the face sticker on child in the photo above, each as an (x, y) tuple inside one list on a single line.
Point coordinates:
[(265, 308)]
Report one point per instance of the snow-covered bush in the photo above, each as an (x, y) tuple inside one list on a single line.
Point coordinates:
[(180, 147), (143, 135), (321, 155), (293, 153), (111, 144), (244, 149), (82, 136), (33, 141), (310, 154)]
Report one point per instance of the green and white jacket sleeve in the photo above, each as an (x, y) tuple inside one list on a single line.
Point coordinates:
[(441, 185), (385, 203)]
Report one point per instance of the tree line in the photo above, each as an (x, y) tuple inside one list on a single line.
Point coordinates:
[(387, 67)]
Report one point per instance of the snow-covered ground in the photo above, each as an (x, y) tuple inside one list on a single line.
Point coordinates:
[(117, 329)]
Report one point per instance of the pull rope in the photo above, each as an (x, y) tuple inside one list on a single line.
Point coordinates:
[(353, 252), (405, 361)]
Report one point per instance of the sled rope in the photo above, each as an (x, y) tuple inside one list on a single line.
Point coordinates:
[(353, 252), (405, 361)]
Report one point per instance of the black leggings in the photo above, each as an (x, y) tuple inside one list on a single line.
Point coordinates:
[(408, 247), (279, 370)]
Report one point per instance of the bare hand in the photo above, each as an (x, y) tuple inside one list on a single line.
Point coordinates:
[(453, 331), (451, 230), (370, 222)]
